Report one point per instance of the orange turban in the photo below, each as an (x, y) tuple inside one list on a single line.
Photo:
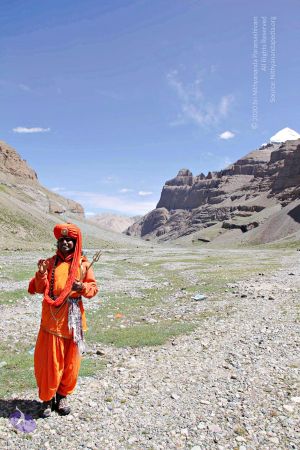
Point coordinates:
[(72, 231), (66, 230)]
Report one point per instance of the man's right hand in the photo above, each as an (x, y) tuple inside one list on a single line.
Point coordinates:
[(42, 266)]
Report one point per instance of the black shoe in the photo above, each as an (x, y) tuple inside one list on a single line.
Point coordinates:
[(62, 406), (47, 408)]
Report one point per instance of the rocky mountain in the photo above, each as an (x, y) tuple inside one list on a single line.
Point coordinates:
[(243, 196), (11, 165), (28, 209), (16, 173)]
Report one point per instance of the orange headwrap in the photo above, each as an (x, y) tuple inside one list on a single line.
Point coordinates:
[(72, 231)]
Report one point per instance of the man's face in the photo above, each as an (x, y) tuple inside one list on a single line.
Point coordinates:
[(66, 245)]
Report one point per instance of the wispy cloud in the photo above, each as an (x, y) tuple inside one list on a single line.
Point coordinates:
[(24, 87), (194, 106), (226, 135), (57, 189), (10, 84), (94, 200), (30, 130), (145, 193), (125, 190)]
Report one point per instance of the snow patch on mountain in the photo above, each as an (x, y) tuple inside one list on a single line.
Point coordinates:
[(286, 134)]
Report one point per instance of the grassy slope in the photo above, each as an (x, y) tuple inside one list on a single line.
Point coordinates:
[(25, 226)]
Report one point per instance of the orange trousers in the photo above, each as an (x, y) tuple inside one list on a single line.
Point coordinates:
[(56, 365)]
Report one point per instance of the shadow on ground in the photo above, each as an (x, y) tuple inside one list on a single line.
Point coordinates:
[(31, 407)]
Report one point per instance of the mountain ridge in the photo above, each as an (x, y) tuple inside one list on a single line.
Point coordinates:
[(28, 209), (266, 177)]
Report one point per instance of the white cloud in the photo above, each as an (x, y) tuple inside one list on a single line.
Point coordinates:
[(94, 200), (30, 130), (194, 106), (226, 135), (125, 190), (89, 213), (145, 193)]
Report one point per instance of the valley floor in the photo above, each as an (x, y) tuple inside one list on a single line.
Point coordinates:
[(222, 373)]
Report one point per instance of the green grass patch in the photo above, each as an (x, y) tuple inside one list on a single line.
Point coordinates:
[(21, 274), (207, 276), (120, 303), (15, 219), (283, 245), (18, 272), (141, 335), (11, 297), (15, 275), (90, 366), (18, 374)]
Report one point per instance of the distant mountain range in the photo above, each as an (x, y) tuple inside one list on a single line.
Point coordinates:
[(254, 200), (113, 222)]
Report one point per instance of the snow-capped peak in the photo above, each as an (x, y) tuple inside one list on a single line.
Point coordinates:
[(286, 134)]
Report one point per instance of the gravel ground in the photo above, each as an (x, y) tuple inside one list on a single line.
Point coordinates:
[(231, 384)]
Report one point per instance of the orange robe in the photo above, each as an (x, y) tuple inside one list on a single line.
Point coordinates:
[(56, 356)]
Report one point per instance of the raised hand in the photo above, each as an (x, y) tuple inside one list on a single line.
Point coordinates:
[(42, 266)]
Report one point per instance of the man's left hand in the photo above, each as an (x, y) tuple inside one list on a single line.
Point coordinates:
[(77, 286)]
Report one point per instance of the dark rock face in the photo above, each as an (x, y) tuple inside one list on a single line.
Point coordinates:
[(261, 179), (244, 228), (12, 164), (189, 196), (154, 220), (285, 163)]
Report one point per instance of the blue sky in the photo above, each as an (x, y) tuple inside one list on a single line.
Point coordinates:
[(108, 99)]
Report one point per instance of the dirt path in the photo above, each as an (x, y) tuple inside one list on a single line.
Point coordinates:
[(232, 384)]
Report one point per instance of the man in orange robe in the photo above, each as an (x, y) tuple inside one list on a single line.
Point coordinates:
[(63, 279)]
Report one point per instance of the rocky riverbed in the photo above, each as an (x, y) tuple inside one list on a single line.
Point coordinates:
[(232, 383)]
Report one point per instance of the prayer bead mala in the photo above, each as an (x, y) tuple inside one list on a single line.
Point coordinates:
[(52, 278)]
